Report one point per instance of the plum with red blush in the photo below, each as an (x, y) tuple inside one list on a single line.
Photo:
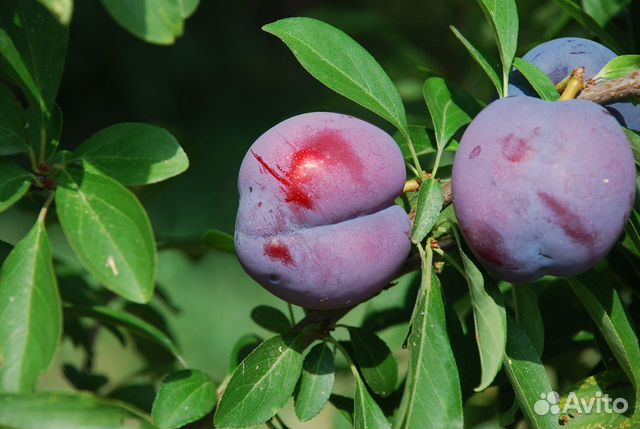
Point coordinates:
[(542, 187), (317, 224)]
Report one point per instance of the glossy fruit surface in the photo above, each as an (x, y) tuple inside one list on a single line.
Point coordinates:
[(542, 187), (317, 224)]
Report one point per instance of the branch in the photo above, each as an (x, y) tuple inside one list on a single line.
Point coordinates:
[(606, 91)]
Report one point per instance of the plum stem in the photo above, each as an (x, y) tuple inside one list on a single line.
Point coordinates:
[(606, 91), (575, 84), (412, 185)]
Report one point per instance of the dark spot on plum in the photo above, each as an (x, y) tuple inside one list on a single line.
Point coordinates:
[(320, 151), (558, 74), (488, 244), (571, 223), (577, 53), (544, 255), (278, 252), (250, 189), (475, 152), (274, 279), (515, 149), (259, 203)]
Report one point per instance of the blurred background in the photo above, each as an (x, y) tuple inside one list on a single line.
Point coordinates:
[(217, 89)]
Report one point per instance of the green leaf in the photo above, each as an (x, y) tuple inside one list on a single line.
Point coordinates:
[(109, 231), (122, 319), (527, 375), (574, 10), (316, 382), (538, 79), (50, 410), (603, 10), (344, 405), (432, 371), (14, 183), (375, 361), (634, 140), (430, 201), (503, 18), (61, 9), (490, 321), (184, 397), (30, 314), (12, 123), (607, 311), (447, 116), (241, 349), (480, 58), (611, 383), (632, 229), (187, 7), (219, 240), (422, 139), (366, 412), (134, 154), (528, 314), (263, 383), (271, 319), (619, 67), (35, 57), (154, 21), (339, 62)]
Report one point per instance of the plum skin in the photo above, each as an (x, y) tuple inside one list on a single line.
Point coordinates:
[(317, 225), (542, 187), (559, 57)]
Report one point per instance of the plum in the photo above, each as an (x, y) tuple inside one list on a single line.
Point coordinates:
[(559, 57), (542, 187), (317, 225)]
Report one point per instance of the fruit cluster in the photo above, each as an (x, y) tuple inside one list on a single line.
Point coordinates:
[(538, 187)]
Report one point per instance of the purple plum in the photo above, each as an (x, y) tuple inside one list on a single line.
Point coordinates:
[(542, 187), (559, 57), (317, 225)]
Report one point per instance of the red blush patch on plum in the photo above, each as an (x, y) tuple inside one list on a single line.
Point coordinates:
[(515, 149), (489, 245), (566, 219), (324, 150), (278, 252)]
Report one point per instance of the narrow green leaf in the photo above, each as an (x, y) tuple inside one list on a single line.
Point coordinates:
[(619, 67), (271, 319), (503, 18), (538, 80), (316, 382), (588, 22), (12, 123), (134, 154), (340, 63), (34, 45), (14, 183), (447, 116), (604, 10), (263, 383), (154, 21), (30, 314), (632, 229), (366, 412), (423, 142), (51, 410), (490, 321), (634, 140), (528, 314), (61, 9), (109, 231), (432, 371), (122, 319), (607, 311), (219, 240), (187, 7), (480, 58), (430, 201), (184, 397), (344, 405), (527, 375), (375, 361), (591, 391)]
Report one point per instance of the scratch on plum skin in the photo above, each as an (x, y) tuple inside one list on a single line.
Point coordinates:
[(278, 252), (475, 152), (570, 222), (321, 151)]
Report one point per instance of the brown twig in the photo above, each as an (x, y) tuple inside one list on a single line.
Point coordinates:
[(606, 91)]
